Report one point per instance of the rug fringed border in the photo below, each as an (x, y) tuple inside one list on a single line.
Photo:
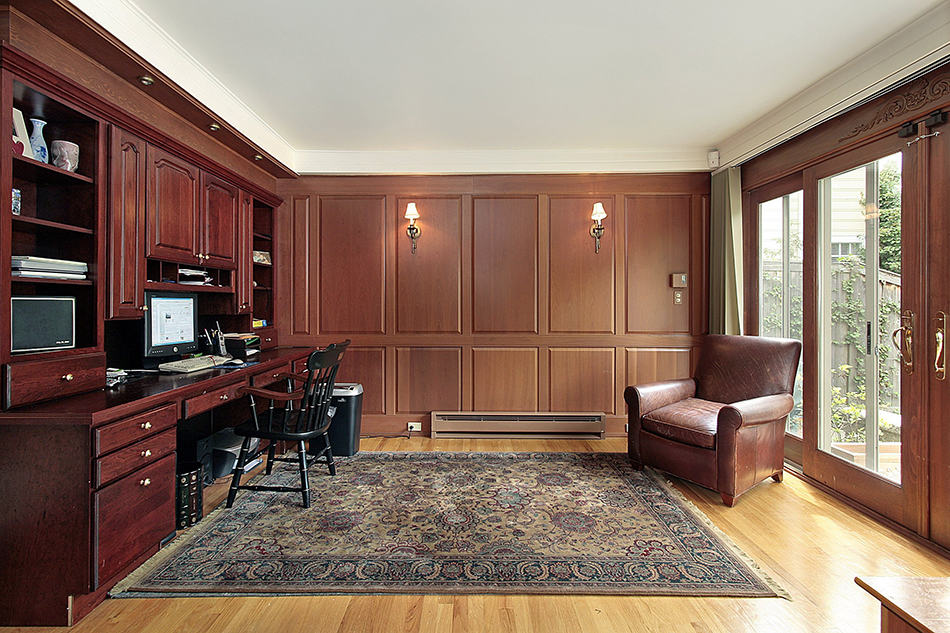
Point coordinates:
[(724, 538), (124, 588)]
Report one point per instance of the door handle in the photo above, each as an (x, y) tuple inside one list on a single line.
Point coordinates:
[(940, 355), (903, 340)]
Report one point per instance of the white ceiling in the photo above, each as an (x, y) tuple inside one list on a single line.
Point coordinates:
[(536, 77)]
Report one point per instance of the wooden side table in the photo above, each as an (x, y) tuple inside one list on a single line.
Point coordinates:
[(911, 605)]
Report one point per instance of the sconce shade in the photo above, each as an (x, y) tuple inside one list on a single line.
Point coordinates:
[(411, 212), (598, 213)]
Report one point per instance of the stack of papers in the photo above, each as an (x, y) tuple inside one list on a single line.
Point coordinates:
[(47, 268), (194, 277)]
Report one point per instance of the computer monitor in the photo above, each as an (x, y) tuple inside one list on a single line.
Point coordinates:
[(171, 323)]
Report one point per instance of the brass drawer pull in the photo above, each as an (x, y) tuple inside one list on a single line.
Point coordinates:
[(146, 453), (224, 396), (145, 426), (145, 482), (268, 339), (68, 377)]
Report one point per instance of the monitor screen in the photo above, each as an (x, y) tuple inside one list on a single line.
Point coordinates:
[(172, 323)]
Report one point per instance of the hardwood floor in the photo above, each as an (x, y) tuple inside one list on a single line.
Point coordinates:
[(809, 542)]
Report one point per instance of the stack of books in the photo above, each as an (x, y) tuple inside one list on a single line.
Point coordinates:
[(189, 500), (47, 268)]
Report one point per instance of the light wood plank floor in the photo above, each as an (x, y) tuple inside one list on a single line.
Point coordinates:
[(809, 542)]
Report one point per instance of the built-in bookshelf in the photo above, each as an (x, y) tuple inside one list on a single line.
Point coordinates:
[(59, 215), (263, 271)]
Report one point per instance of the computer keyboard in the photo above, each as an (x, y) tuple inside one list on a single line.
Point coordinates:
[(188, 365)]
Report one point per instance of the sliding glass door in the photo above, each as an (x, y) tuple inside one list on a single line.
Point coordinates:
[(860, 298), (863, 292)]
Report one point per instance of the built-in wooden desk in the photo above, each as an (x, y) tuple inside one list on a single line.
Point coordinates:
[(88, 483), (910, 605)]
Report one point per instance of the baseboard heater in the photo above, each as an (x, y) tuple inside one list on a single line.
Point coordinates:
[(542, 424)]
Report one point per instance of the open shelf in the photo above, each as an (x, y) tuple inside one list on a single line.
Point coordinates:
[(49, 224), (170, 287), (47, 280), (262, 236), (42, 173)]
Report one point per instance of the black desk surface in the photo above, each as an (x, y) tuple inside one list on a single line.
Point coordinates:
[(142, 393)]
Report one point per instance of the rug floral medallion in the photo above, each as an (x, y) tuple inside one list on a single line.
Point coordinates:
[(572, 523)]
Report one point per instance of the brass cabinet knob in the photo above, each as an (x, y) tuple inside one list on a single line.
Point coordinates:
[(224, 396), (145, 482), (143, 308), (145, 426), (146, 453), (68, 377), (267, 340), (275, 375)]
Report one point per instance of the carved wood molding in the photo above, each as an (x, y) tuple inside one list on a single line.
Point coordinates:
[(917, 95)]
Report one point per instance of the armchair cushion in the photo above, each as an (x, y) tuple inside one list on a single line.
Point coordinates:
[(690, 421), (654, 395)]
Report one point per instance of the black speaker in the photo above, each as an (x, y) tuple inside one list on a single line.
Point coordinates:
[(42, 323)]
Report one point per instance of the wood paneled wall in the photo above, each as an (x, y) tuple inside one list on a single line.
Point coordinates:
[(505, 306)]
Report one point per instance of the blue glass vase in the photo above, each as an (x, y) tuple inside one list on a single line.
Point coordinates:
[(37, 142)]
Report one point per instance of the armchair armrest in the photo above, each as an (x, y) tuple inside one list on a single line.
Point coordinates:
[(281, 396), (642, 399), (755, 411)]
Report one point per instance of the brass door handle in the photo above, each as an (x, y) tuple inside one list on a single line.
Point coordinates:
[(903, 340), (940, 356)]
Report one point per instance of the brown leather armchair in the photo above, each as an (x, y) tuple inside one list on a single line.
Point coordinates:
[(725, 427)]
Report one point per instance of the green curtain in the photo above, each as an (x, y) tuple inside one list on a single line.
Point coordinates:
[(725, 253)]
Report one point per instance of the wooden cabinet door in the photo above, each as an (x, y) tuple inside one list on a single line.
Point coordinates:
[(243, 285), (173, 220), (126, 295), (219, 222)]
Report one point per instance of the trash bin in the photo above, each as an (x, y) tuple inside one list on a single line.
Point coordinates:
[(345, 429)]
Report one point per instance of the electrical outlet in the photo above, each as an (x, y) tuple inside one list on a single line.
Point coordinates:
[(677, 297), (415, 426)]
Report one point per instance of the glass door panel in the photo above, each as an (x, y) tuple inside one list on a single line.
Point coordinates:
[(781, 242), (859, 304)]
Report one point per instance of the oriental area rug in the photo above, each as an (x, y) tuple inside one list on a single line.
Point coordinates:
[(449, 523)]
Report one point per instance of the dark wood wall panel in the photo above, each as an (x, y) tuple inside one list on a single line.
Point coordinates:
[(582, 379), (352, 264), (428, 379), (581, 282), (367, 366), (505, 378), (651, 365), (505, 265), (429, 281), (505, 305), (658, 244), (303, 262)]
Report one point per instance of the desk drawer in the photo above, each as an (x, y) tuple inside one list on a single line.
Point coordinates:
[(112, 436), (33, 381), (269, 377), (212, 399), (268, 337), (133, 515), (141, 453)]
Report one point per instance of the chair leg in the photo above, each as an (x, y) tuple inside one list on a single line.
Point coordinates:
[(330, 464), (304, 482), (729, 500), (271, 451), (238, 471), (778, 476)]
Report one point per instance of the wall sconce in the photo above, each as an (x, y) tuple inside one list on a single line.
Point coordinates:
[(412, 230), (597, 228)]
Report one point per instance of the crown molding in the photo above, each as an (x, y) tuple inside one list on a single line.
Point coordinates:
[(916, 47), (497, 161), (151, 42)]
